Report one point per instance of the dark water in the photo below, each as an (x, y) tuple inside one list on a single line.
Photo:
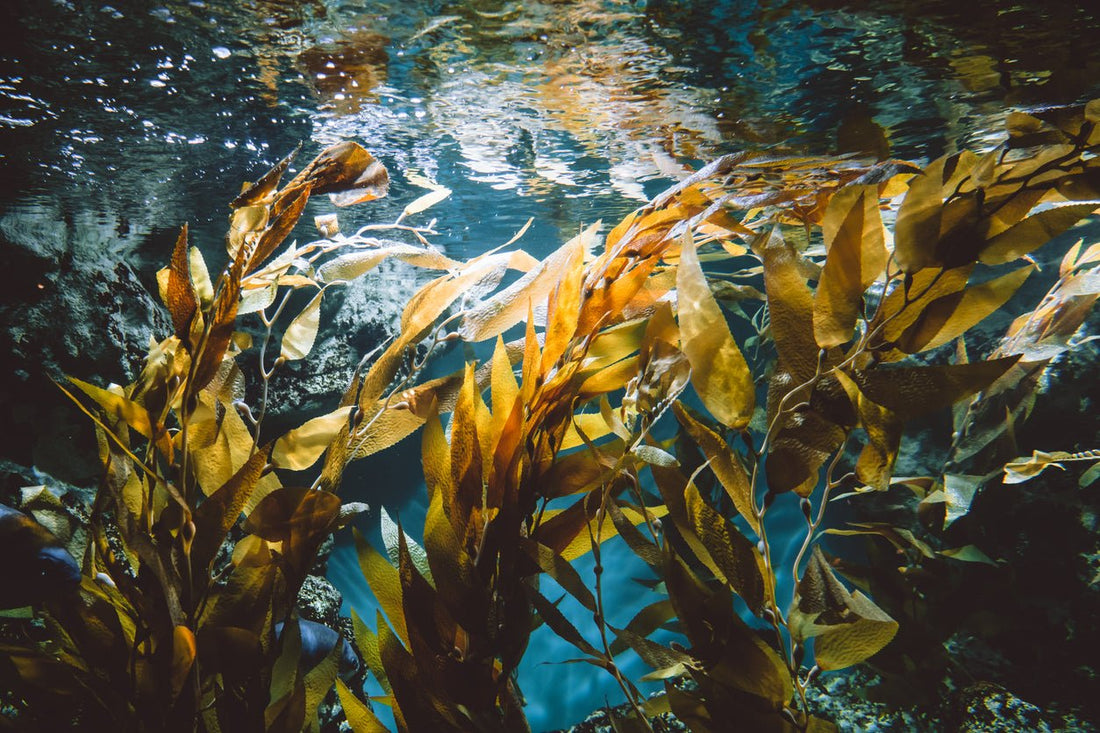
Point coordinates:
[(123, 119)]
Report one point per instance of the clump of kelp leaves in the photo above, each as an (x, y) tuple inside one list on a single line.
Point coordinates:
[(627, 408)]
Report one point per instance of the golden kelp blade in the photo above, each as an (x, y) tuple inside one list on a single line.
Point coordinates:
[(718, 369), (856, 258)]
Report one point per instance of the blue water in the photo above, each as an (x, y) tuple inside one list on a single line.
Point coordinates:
[(137, 116)]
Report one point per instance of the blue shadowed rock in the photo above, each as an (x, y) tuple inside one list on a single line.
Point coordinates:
[(34, 566), (317, 641)]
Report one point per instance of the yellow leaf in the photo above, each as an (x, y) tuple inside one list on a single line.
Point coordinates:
[(615, 343), (302, 331), (846, 644), (718, 369), (367, 643), (1034, 231), (257, 299), (531, 358), (436, 459), (507, 308), (360, 717), (384, 582), (426, 201), (183, 657), (564, 308), (582, 543), (244, 227), (727, 468), (592, 424), (219, 446), (1025, 469), (946, 318), (968, 553), (856, 257), (847, 628), (504, 388), (200, 278), (353, 264), (301, 447), (118, 407), (386, 429), (609, 379)]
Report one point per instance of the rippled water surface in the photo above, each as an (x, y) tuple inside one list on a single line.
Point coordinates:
[(138, 116)]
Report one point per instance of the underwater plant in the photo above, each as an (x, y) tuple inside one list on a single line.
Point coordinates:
[(174, 628), (617, 401), (613, 341)]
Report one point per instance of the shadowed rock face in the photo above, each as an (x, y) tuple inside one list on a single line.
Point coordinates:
[(73, 307)]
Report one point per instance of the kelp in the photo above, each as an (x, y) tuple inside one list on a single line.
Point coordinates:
[(175, 624), (616, 341), (619, 396)]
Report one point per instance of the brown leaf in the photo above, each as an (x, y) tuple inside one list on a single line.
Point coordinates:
[(347, 172), (910, 392), (731, 551), (300, 519), (642, 546), (278, 227), (219, 332), (559, 624), (847, 628), (1034, 231), (888, 397), (948, 317), (725, 464), (262, 190), (557, 568), (182, 303), (918, 228), (903, 305), (729, 650)]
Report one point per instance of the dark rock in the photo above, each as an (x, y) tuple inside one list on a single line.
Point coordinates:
[(319, 601), (355, 319), (75, 309), (989, 708), (847, 699)]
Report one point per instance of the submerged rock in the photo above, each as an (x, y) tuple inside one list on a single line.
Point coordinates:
[(71, 307), (989, 708), (355, 319)]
